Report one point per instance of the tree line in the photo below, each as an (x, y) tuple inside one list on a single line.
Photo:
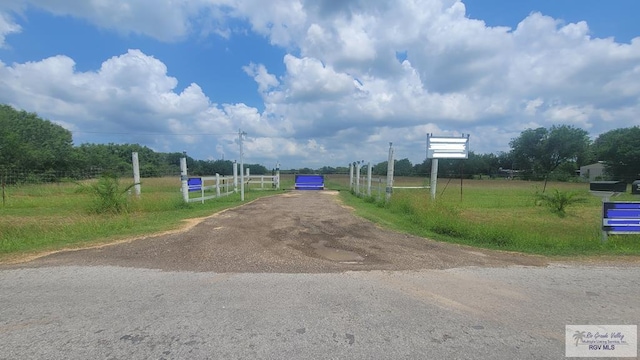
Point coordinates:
[(32, 145), (556, 153)]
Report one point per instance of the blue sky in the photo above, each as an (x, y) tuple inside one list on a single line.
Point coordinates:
[(617, 18), (318, 83)]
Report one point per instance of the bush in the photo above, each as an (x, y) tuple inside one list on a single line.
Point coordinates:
[(109, 196), (558, 200), (370, 199)]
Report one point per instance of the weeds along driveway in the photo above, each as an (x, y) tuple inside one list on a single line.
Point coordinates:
[(296, 232)]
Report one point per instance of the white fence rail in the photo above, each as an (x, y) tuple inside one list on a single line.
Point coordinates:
[(265, 182), (211, 187), (220, 186)]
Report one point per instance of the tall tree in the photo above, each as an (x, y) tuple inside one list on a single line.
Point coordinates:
[(380, 168), (401, 167), (257, 169), (540, 151), (327, 170), (212, 167), (620, 151), (32, 143), (527, 150)]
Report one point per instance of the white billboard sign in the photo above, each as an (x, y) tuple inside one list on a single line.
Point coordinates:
[(447, 147)]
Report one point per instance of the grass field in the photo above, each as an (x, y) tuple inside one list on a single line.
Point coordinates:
[(48, 217), (498, 214)]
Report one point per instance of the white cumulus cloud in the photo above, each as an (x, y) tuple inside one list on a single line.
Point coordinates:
[(357, 74), (7, 27)]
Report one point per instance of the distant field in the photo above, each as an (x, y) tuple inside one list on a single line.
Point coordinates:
[(499, 214)]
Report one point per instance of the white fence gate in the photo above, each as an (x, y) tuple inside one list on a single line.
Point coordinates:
[(219, 186), (223, 186)]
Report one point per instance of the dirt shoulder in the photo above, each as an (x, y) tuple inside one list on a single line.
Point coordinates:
[(296, 232)]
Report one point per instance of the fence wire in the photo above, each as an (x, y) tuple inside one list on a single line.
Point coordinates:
[(14, 176)]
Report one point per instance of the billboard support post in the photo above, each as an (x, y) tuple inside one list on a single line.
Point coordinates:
[(445, 148)]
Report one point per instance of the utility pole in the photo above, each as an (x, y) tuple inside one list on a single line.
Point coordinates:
[(240, 136)]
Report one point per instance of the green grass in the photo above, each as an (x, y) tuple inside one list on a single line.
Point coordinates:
[(40, 218), (498, 214), (493, 214)]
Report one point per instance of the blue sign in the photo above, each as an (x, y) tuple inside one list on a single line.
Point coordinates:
[(309, 182), (195, 184), (621, 217)]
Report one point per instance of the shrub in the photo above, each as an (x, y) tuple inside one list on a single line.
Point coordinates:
[(110, 197), (558, 200), (370, 199)]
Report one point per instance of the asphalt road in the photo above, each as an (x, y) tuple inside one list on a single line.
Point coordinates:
[(302, 289)]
